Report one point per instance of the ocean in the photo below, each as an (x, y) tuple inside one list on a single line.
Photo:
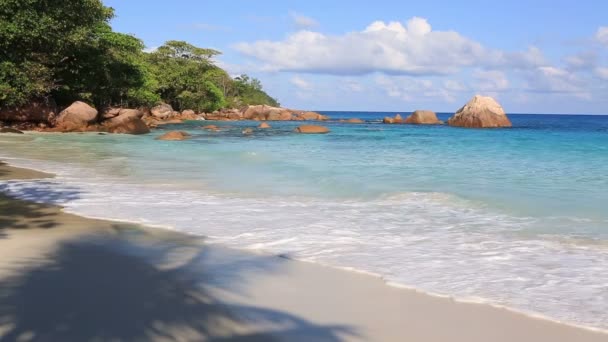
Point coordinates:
[(512, 217)]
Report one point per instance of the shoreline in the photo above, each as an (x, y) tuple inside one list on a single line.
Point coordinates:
[(380, 277), (380, 285)]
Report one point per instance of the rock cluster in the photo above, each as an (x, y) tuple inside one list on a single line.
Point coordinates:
[(396, 120), (264, 113)]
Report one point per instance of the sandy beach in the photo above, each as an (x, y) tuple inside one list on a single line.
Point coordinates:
[(69, 278)]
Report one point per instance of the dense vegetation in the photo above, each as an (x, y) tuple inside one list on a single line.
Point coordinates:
[(66, 50)]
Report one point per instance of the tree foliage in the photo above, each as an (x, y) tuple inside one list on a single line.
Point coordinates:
[(67, 50)]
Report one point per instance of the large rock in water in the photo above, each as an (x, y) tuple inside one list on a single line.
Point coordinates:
[(480, 112), (423, 117), (312, 129), (77, 115)]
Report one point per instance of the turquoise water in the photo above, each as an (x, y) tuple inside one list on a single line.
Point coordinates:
[(514, 217)]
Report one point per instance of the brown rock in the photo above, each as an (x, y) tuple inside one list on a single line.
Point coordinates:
[(312, 129), (275, 114), (127, 125), (311, 116), (264, 125), (174, 136), (162, 111), (110, 113), (388, 120), (480, 112), (398, 119), (10, 130), (211, 127), (79, 114), (286, 115), (423, 117), (34, 112), (354, 121), (247, 131)]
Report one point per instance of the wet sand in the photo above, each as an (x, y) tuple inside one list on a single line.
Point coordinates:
[(69, 278)]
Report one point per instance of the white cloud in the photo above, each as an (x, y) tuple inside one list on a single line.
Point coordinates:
[(581, 61), (551, 79), (353, 86), (301, 83), (601, 72), (490, 80), (391, 48), (411, 89), (302, 21), (454, 85), (602, 35)]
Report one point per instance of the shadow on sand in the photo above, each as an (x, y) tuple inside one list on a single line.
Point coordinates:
[(122, 288), (28, 214)]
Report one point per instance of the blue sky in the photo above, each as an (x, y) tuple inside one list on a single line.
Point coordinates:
[(390, 55)]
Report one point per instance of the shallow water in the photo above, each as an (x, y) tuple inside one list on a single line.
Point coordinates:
[(515, 217)]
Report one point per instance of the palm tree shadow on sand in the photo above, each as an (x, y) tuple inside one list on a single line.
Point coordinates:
[(102, 289)]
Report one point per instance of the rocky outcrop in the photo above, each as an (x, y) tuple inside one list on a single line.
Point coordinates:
[(225, 115), (174, 136), (264, 125), (162, 111), (128, 121), (312, 129), (396, 120), (423, 117), (33, 113), (269, 113), (10, 130), (77, 117), (247, 131), (480, 112)]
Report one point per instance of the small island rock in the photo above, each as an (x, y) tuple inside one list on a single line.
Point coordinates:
[(423, 117), (312, 129), (480, 112)]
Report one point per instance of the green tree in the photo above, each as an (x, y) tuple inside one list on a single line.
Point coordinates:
[(67, 50)]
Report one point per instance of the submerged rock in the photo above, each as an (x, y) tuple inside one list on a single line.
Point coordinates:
[(312, 129), (480, 112), (423, 117), (174, 136), (211, 128), (247, 131), (354, 121)]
